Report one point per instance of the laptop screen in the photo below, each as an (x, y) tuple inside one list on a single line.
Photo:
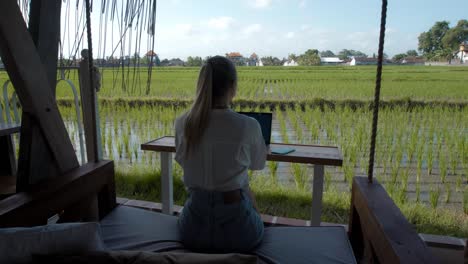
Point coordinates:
[(265, 120)]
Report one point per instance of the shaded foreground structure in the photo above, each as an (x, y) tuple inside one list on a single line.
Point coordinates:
[(51, 185)]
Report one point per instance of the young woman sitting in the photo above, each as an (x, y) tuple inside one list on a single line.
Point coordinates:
[(216, 147)]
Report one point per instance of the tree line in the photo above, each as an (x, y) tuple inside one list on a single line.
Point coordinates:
[(441, 42), (308, 58)]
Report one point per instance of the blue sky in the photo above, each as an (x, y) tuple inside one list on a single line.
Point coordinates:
[(279, 27)]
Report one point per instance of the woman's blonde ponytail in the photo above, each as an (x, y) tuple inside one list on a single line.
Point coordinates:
[(199, 115), (217, 78)]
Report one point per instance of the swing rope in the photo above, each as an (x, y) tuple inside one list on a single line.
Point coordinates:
[(378, 81)]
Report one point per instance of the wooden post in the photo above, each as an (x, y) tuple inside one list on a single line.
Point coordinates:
[(45, 147), (89, 110), (167, 193), (32, 141), (44, 27), (317, 193)]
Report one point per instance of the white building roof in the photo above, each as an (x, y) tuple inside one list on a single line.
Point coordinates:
[(331, 59), (290, 63)]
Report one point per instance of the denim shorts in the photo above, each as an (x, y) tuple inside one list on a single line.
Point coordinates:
[(207, 224)]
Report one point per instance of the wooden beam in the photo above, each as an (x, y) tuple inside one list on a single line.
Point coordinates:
[(35, 162), (387, 235), (44, 27), (34, 207), (30, 80)]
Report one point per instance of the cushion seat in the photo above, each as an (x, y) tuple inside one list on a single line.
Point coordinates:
[(128, 228)]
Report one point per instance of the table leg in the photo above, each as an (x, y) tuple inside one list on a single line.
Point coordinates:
[(317, 193), (166, 183)]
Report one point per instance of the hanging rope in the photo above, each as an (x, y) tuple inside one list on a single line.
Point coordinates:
[(96, 141), (90, 42), (375, 116), (151, 29), (130, 19)]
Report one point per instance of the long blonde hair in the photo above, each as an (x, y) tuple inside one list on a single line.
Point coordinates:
[(217, 76)]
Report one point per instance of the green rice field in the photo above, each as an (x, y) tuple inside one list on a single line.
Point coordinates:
[(422, 142)]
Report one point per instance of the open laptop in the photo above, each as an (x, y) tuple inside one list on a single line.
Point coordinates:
[(265, 120)]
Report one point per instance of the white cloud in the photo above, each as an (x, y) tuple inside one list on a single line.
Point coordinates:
[(182, 35), (305, 27), (221, 23), (184, 29), (302, 3), (252, 29), (391, 30), (290, 35), (261, 3), (201, 39)]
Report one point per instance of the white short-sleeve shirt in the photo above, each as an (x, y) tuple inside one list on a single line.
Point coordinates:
[(231, 144)]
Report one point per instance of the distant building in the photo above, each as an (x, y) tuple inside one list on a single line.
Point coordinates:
[(462, 54), (253, 60), (152, 57), (173, 62), (330, 61), (236, 58), (363, 61), (413, 60), (366, 61), (290, 63), (259, 63)]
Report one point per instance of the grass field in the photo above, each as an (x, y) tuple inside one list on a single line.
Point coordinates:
[(422, 144), (296, 83)]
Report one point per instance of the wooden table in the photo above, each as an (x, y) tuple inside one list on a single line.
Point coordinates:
[(320, 156), (7, 158)]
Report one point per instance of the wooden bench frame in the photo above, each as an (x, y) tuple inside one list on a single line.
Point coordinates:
[(84, 194), (378, 231)]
